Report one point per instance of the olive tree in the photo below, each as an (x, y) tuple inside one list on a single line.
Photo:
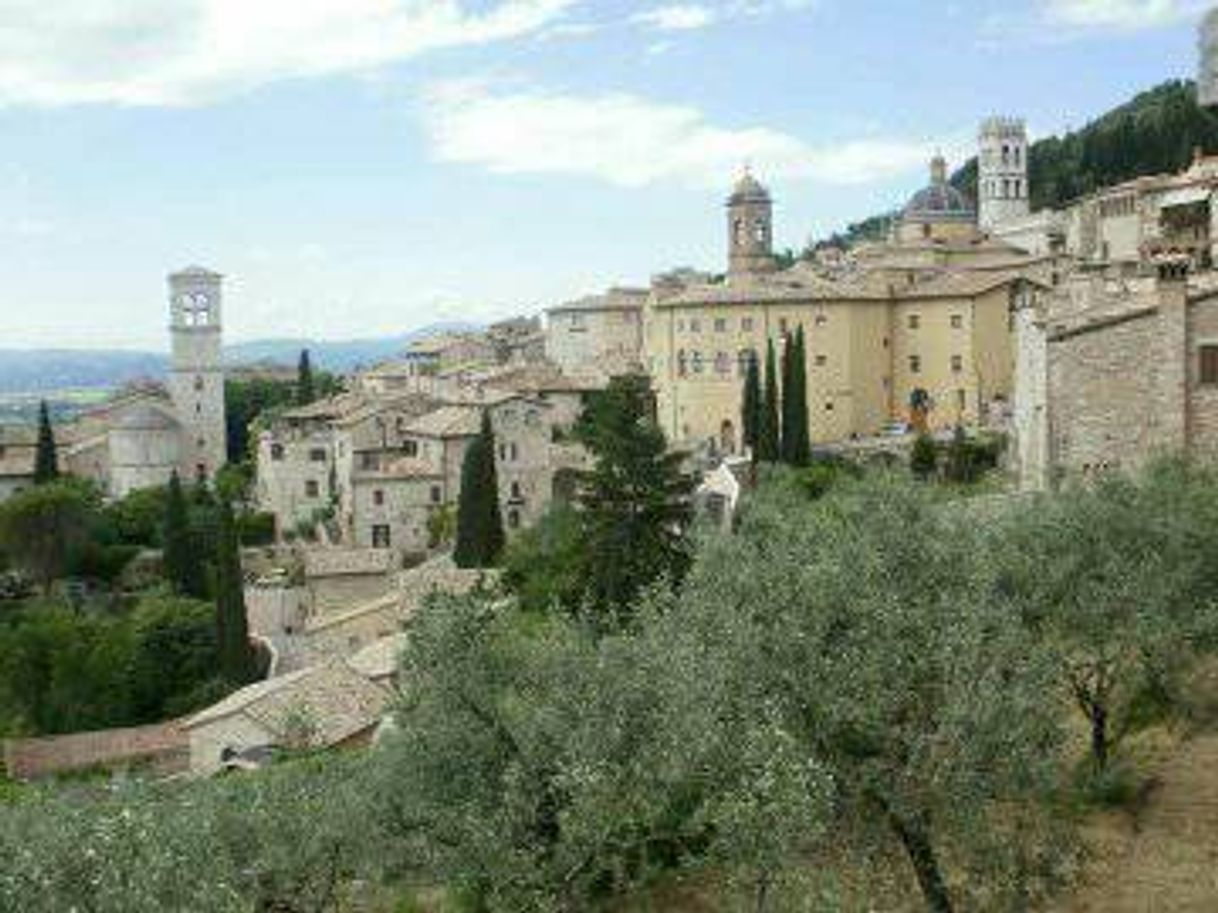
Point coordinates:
[(888, 650), (1117, 580)]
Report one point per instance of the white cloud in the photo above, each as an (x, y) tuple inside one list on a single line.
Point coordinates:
[(676, 18), (1124, 15), (182, 52), (633, 142)]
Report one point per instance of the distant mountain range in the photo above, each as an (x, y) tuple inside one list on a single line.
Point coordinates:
[(37, 370)]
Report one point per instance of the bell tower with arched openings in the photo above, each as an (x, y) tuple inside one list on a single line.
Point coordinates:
[(196, 375), (1002, 171), (750, 227)]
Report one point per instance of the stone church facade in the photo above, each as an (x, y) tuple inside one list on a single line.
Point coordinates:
[(148, 431)]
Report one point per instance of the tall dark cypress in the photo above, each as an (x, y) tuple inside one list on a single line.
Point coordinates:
[(480, 536), (304, 379), (181, 559), (787, 401), (769, 432), (46, 458), (750, 409), (798, 440), (232, 626)]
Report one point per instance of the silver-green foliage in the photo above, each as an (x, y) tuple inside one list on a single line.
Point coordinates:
[(293, 838)]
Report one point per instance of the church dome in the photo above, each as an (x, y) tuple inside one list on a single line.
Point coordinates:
[(145, 418), (748, 190), (939, 201)]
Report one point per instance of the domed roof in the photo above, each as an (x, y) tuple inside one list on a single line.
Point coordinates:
[(748, 190), (145, 417), (939, 201)]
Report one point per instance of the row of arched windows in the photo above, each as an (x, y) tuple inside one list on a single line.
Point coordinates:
[(693, 362)]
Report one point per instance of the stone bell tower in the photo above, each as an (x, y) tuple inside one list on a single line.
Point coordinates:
[(750, 226), (1002, 171), (196, 376)]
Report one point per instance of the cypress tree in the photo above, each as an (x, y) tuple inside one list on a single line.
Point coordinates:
[(304, 379), (232, 626), (797, 440), (769, 432), (751, 406), (787, 399), (46, 458), (480, 535), (182, 563)]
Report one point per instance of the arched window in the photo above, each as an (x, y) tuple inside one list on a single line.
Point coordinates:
[(697, 362), (1006, 155), (760, 232), (198, 383), (682, 367), (738, 231)]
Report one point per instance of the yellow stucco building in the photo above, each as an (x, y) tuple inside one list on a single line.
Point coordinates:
[(925, 314)]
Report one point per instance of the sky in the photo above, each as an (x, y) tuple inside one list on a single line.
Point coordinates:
[(364, 167)]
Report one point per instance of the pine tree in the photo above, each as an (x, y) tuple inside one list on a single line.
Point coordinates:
[(635, 505), (480, 537), (751, 406), (182, 562), (797, 440), (769, 432), (232, 626), (304, 379), (46, 459)]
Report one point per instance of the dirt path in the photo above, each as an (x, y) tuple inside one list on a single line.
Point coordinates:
[(1165, 860)]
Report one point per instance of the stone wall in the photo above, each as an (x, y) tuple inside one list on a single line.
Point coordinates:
[(163, 746), (1117, 385)]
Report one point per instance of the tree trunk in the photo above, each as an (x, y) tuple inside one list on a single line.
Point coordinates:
[(917, 844), (763, 890), (1099, 735)]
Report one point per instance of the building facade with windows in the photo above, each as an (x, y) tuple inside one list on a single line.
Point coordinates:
[(1122, 370), (926, 317)]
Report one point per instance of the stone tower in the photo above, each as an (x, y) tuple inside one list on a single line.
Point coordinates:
[(196, 376), (1207, 70), (750, 226), (1002, 171)]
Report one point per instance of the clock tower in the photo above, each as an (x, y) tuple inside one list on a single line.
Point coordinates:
[(196, 376)]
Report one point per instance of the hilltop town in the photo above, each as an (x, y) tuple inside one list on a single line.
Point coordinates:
[(876, 576)]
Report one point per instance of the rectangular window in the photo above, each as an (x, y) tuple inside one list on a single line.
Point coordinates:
[(720, 325), (312, 489), (821, 320), (369, 461), (695, 325), (914, 321), (746, 324), (821, 360), (380, 536), (277, 452), (436, 494), (378, 497), (317, 455), (697, 362), (1209, 364), (957, 364), (410, 448), (957, 321), (961, 400), (782, 325), (915, 364)]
